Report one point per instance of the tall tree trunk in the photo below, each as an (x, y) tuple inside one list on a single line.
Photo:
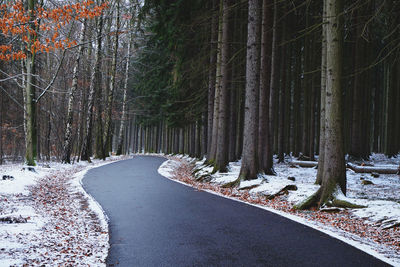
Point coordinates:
[(250, 168), (282, 98), (125, 97), (211, 75), (264, 146), (334, 165), (358, 103), (87, 144), (297, 102), (307, 83), (334, 173), (321, 154), (110, 97), (222, 137), (313, 102), (274, 81), (66, 158), (214, 135), (30, 104)]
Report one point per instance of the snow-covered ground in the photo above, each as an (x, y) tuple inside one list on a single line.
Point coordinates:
[(375, 228), (46, 218)]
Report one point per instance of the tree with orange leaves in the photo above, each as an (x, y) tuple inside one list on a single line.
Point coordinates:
[(25, 21)]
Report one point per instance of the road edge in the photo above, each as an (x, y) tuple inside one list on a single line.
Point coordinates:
[(366, 248)]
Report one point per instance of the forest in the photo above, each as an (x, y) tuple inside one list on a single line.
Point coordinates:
[(220, 79)]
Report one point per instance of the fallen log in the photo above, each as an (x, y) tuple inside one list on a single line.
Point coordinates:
[(306, 164), (283, 191), (371, 169)]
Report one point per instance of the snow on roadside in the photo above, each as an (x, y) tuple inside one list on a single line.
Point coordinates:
[(363, 228), (64, 225)]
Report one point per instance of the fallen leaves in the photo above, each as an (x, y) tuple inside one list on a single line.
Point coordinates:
[(64, 231)]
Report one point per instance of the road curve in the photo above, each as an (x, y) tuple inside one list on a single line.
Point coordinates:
[(157, 222)]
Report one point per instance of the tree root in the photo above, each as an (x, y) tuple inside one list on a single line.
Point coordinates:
[(308, 203), (249, 187), (344, 204), (313, 202), (283, 191), (203, 178), (233, 183)]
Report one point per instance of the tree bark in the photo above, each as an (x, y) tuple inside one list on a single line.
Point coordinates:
[(110, 97), (250, 168), (274, 81), (221, 159), (87, 144), (124, 100), (282, 100), (211, 75), (264, 146), (70, 114), (334, 163), (359, 89), (321, 154), (334, 175), (30, 104)]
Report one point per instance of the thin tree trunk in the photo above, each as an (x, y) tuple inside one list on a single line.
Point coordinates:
[(222, 137), (211, 75), (87, 145), (321, 154), (214, 136), (125, 97), (282, 98), (264, 146), (110, 97), (274, 81), (30, 139), (66, 158)]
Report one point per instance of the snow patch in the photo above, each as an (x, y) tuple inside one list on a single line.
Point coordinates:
[(44, 230)]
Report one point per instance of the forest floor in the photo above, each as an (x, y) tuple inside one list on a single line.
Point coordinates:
[(374, 229), (46, 218)]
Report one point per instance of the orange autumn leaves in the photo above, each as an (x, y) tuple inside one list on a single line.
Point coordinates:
[(17, 23)]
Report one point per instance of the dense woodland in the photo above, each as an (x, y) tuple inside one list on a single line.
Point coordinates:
[(221, 79)]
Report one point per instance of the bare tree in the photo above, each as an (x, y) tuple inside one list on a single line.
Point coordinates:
[(71, 100)]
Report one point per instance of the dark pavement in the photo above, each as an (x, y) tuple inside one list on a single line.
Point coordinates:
[(157, 222)]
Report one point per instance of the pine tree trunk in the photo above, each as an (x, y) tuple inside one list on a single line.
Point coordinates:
[(211, 75), (334, 173), (274, 81), (282, 98), (313, 102), (264, 146), (71, 100), (249, 168), (214, 136), (321, 154), (306, 91), (297, 130), (357, 131), (334, 165), (221, 159)]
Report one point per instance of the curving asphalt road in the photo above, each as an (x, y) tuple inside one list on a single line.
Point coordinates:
[(157, 222)]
